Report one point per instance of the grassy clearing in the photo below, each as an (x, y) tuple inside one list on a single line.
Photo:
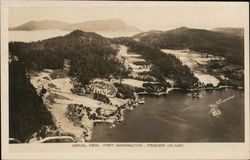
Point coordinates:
[(52, 96)]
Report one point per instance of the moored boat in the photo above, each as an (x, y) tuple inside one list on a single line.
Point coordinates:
[(141, 100)]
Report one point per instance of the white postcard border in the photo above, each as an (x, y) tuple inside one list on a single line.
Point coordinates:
[(68, 151)]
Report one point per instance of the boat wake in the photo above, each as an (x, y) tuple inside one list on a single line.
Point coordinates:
[(215, 111)]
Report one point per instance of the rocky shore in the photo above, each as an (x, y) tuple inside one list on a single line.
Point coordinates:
[(75, 114)]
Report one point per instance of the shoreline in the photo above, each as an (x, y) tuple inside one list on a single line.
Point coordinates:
[(188, 90), (59, 97)]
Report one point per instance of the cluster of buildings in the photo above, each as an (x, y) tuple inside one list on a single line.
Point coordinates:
[(103, 87)]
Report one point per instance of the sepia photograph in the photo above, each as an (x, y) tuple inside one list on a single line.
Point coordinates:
[(144, 73)]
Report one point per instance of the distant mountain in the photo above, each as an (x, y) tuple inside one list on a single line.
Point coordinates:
[(39, 25), (154, 33), (232, 31), (229, 46), (108, 25)]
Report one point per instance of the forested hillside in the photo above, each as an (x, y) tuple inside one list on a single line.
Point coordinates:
[(229, 46), (165, 65), (229, 30), (91, 55)]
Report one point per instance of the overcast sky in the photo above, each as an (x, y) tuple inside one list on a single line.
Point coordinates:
[(147, 17)]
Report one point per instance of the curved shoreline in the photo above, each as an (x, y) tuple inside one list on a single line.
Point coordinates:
[(189, 90)]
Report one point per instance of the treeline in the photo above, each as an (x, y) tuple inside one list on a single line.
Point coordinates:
[(90, 54), (95, 61), (220, 44), (124, 91), (27, 114), (165, 65)]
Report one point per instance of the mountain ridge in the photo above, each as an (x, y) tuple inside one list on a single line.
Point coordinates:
[(230, 30), (39, 25), (217, 43), (106, 25)]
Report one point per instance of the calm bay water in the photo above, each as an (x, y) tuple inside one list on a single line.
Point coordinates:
[(179, 118), (29, 36)]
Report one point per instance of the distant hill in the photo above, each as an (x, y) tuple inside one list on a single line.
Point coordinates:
[(232, 31), (39, 25), (108, 25), (229, 46), (154, 33)]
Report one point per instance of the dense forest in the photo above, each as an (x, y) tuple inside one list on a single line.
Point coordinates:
[(217, 43), (230, 30), (90, 54), (165, 65), (27, 114)]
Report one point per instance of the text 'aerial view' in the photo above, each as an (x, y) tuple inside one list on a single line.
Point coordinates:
[(126, 74)]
